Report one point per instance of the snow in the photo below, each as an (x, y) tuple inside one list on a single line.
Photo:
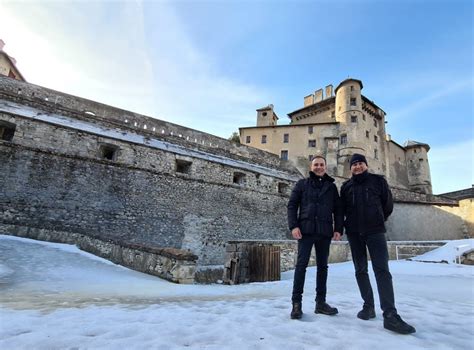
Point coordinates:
[(447, 253), (54, 296)]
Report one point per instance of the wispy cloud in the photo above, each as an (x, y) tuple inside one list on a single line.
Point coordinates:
[(143, 60), (431, 98)]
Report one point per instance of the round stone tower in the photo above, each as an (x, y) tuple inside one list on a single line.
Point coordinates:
[(419, 178), (349, 115)]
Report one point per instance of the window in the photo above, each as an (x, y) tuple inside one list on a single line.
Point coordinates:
[(264, 138), (283, 188), (311, 143), (264, 114), (353, 119), (414, 151), (353, 101), (376, 154), (247, 139), (343, 139), (363, 116), (376, 138), (239, 178), (375, 122), (183, 166), (108, 152), (310, 157), (7, 130), (352, 88), (310, 129), (286, 138), (421, 159), (333, 114), (284, 155), (367, 134)]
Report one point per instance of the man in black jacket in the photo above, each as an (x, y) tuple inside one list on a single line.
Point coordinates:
[(367, 203), (319, 206)]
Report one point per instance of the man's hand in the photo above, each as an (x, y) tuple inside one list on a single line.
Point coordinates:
[(336, 236), (296, 233)]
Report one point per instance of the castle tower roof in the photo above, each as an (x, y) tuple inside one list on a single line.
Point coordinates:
[(411, 144)]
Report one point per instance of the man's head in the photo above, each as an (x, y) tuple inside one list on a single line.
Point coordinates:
[(318, 165), (358, 164)]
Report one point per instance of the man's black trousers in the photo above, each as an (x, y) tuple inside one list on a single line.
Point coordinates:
[(305, 245), (377, 245)]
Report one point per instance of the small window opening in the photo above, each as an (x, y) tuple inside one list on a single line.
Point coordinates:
[(7, 131), (310, 129), (286, 138), (367, 134), (264, 138), (247, 139), (376, 154), (284, 155), (108, 152), (343, 139), (376, 138), (183, 166), (239, 178), (353, 119), (311, 143), (353, 101), (283, 188)]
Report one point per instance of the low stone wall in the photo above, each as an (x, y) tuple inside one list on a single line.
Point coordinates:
[(172, 264), (339, 252)]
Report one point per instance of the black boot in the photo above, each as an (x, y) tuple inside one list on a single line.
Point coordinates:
[(296, 312), (324, 308), (366, 313), (395, 323)]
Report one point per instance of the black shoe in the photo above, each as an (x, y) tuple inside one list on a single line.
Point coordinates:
[(366, 313), (394, 322), (296, 312), (325, 309)]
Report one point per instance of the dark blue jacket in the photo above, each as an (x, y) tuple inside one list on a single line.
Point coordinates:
[(314, 206), (367, 203)]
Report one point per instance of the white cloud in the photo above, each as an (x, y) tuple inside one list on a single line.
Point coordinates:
[(452, 166), (130, 55)]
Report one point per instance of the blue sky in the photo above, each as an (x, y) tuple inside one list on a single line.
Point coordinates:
[(209, 65)]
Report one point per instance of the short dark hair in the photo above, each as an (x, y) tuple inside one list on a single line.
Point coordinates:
[(318, 156)]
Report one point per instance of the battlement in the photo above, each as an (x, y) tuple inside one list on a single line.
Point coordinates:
[(56, 102)]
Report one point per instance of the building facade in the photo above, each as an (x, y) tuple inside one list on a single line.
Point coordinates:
[(337, 123), (8, 65)]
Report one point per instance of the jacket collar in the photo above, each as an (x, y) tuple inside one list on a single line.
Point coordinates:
[(325, 178)]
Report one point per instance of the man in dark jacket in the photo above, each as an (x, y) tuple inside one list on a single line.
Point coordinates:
[(367, 203), (319, 206)]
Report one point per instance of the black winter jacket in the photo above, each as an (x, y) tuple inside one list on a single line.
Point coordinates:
[(367, 203), (319, 206)]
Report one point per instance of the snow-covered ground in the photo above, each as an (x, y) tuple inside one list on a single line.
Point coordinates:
[(54, 296)]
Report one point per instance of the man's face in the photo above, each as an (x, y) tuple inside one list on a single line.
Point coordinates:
[(358, 168), (318, 166)]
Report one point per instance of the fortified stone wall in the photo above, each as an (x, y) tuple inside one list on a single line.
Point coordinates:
[(76, 167), (52, 101)]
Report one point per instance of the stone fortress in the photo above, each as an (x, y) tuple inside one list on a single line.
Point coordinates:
[(338, 126), (155, 196)]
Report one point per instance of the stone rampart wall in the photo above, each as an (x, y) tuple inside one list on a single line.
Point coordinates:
[(57, 102)]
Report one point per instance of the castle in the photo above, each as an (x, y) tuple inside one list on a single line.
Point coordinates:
[(338, 126), (167, 200)]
